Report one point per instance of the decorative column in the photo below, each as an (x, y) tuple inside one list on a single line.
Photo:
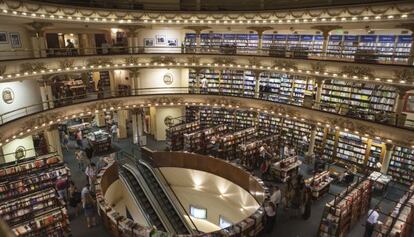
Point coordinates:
[(400, 116), (113, 85), (53, 140), (132, 37), (197, 30), (133, 80), (100, 119), (46, 94), (319, 83), (257, 83), (326, 29), (137, 125), (260, 31), (387, 157), (83, 44), (122, 124), (311, 147), (38, 41)]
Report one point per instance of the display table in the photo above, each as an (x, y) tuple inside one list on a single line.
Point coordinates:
[(319, 184), (84, 127), (100, 141), (285, 168), (380, 180)]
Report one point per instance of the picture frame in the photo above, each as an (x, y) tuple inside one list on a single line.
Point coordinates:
[(15, 40), (148, 42), (172, 42), (160, 40), (3, 37)]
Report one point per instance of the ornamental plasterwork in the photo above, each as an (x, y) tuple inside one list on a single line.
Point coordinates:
[(3, 68), (287, 64), (255, 61), (319, 67), (358, 71), (99, 61), (224, 60), (223, 101), (163, 60), (61, 12), (30, 67), (132, 59), (406, 75), (65, 63), (351, 125), (193, 60), (165, 100)]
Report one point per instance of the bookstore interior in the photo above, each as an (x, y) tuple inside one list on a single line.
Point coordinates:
[(207, 118)]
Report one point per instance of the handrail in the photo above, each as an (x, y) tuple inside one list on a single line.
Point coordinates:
[(167, 193), (286, 51), (105, 94)]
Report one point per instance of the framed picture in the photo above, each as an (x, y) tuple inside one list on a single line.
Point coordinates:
[(160, 40), (15, 40), (148, 42), (3, 38), (172, 42)]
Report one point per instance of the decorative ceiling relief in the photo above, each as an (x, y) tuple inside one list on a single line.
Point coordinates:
[(357, 71), (356, 10), (405, 75), (30, 67), (379, 9)]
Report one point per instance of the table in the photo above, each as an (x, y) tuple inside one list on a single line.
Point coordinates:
[(380, 180), (284, 173)]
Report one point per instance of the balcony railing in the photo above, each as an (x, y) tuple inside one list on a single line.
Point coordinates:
[(386, 118), (363, 56)]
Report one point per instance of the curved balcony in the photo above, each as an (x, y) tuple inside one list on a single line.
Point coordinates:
[(292, 53), (26, 123), (236, 174)]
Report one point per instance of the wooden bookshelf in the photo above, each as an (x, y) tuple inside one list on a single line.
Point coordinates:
[(175, 134), (402, 165)]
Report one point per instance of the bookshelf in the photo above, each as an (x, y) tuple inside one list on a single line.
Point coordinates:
[(175, 134), (357, 99), (399, 222), (342, 213), (250, 150), (402, 164), (229, 142), (193, 141), (29, 203), (351, 148)]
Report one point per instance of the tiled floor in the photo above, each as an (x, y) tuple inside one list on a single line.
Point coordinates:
[(286, 226)]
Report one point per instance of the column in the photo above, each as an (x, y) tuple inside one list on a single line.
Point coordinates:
[(100, 119), (113, 85), (257, 84), (410, 27), (46, 94), (260, 31), (135, 43), (387, 158), (137, 125), (197, 30), (42, 46), (325, 29), (311, 147), (400, 116), (198, 40), (130, 44), (35, 47), (53, 140), (319, 83), (132, 37), (83, 44), (133, 77), (122, 124)]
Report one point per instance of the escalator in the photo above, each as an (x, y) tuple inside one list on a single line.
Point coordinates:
[(175, 218), (143, 200)]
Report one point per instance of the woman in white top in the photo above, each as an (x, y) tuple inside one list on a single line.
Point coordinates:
[(270, 210)]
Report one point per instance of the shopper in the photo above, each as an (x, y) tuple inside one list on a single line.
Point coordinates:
[(307, 203), (114, 132), (371, 222), (79, 139), (91, 172), (61, 186), (65, 141), (270, 211), (89, 152), (74, 197), (276, 196), (80, 157), (88, 205)]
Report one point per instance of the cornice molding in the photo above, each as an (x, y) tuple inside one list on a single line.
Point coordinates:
[(392, 75), (395, 11), (31, 124)]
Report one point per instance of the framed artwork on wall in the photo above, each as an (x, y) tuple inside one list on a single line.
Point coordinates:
[(148, 42), (3, 38), (172, 42), (160, 40), (15, 40)]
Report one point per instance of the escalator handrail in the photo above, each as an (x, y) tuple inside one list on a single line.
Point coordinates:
[(147, 192), (137, 202), (169, 192)]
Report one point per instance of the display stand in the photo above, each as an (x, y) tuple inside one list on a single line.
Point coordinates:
[(100, 141), (319, 184), (380, 181), (286, 168)]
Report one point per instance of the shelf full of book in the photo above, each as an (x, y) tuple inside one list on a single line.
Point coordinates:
[(342, 213), (175, 134), (402, 165)]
